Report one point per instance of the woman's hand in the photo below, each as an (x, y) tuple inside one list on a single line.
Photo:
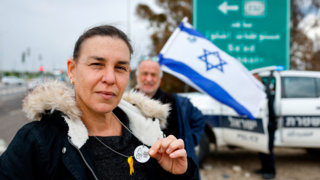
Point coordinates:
[(170, 154)]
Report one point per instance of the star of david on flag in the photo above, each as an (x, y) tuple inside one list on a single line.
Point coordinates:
[(209, 65), (194, 59)]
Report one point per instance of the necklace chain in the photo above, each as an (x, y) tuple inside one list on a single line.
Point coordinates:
[(122, 123), (111, 148), (126, 127), (129, 158)]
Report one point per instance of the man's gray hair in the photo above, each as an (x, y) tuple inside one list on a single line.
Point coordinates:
[(137, 70)]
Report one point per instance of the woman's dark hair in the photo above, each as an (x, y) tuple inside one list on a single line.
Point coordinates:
[(103, 30)]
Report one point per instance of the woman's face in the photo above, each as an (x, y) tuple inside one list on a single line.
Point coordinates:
[(101, 73)]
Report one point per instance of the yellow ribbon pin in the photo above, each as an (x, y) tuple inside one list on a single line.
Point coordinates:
[(130, 162)]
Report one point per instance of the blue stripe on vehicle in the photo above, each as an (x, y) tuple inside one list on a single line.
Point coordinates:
[(235, 122)]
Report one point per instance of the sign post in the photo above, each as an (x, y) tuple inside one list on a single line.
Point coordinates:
[(256, 32)]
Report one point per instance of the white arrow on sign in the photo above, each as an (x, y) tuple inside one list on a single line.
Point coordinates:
[(224, 8)]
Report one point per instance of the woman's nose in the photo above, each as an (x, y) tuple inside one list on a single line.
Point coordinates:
[(109, 76)]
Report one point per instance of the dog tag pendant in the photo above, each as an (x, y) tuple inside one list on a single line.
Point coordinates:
[(141, 154)]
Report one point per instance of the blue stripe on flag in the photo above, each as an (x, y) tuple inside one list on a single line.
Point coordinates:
[(216, 91), (191, 31)]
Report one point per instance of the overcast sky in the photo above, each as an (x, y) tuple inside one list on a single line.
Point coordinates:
[(50, 28)]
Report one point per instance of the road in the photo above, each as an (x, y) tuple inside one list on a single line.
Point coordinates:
[(237, 164), (11, 115)]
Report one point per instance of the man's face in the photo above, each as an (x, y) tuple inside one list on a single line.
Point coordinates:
[(148, 78)]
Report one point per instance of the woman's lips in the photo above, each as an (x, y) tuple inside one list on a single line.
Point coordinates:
[(106, 95)]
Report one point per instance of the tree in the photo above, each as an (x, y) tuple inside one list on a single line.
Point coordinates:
[(302, 48), (315, 61), (164, 23)]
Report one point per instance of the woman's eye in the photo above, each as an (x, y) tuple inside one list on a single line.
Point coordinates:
[(95, 64), (122, 68)]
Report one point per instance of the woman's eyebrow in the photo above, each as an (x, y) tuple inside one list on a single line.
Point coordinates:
[(124, 62), (97, 58)]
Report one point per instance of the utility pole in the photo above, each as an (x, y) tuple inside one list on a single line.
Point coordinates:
[(128, 19)]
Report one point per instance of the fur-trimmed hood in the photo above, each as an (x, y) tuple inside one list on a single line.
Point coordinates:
[(146, 116)]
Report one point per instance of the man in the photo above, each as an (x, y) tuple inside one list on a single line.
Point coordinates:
[(268, 169), (184, 121)]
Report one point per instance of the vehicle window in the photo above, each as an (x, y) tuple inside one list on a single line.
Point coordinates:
[(299, 87), (272, 84), (318, 86)]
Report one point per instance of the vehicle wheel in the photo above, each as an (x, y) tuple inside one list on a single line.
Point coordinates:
[(204, 148)]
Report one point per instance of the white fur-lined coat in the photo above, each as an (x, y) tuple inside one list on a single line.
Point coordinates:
[(146, 116)]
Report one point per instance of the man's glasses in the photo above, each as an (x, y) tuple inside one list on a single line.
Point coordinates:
[(153, 58)]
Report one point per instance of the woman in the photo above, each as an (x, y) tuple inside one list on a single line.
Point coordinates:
[(91, 131)]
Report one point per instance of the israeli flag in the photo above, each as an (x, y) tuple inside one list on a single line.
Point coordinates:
[(194, 59)]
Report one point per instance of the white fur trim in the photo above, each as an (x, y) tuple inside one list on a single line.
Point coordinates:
[(149, 107), (55, 95), (78, 133), (145, 129), (52, 95)]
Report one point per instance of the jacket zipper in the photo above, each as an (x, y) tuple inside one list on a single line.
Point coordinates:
[(94, 175)]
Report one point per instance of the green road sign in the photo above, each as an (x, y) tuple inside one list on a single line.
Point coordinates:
[(256, 32)]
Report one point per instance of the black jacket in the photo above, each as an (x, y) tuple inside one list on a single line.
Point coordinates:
[(55, 147)]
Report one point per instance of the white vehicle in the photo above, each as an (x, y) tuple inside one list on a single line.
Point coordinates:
[(297, 109), (8, 80)]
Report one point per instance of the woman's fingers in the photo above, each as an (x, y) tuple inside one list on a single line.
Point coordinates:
[(166, 142), (161, 145), (154, 150), (174, 145), (166, 145), (170, 154), (178, 154)]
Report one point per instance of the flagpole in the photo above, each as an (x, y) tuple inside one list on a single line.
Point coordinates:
[(185, 19), (172, 37)]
